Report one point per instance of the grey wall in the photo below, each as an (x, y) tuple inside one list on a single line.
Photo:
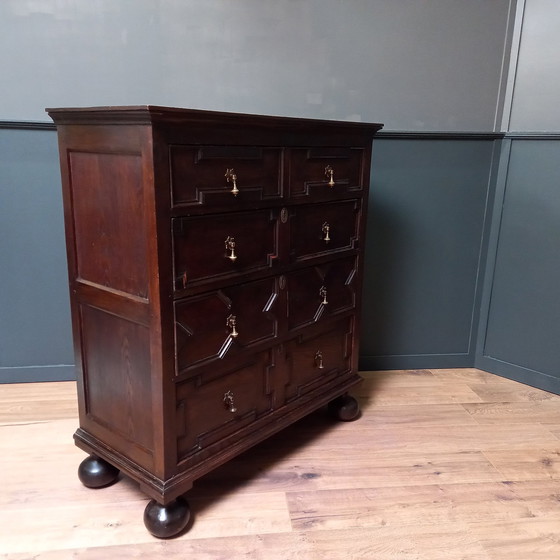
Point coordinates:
[(430, 65), (424, 253), (520, 314), (426, 250), (537, 72), (35, 334), (436, 65)]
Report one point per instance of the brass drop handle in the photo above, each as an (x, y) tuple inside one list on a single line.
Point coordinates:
[(325, 228), (319, 360), (230, 246), (228, 401), (231, 176), (323, 294), (230, 323), (329, 172)]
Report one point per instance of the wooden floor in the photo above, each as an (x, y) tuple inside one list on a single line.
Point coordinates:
[(443, 464)]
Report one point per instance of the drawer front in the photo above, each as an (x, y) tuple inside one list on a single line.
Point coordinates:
[(223, 322), (326, 173), (222, 245), (224, 175), (211, 408), (324, 228), (316, 359), (320, 291)]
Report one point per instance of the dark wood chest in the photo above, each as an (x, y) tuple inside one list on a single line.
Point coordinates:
[(215, 265)]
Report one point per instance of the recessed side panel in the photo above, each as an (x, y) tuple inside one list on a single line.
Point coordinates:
[(110, 230), (117, 382)]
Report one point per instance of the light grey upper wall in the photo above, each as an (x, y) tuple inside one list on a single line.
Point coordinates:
[(414, 65), (537, 80)]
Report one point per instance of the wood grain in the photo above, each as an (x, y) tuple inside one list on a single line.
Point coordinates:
[(443, 464)]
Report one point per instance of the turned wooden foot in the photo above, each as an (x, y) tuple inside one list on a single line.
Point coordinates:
[(344, 408), (166, 521), (95, 472)]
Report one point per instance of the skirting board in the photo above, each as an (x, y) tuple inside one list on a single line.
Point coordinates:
[(37, 374)]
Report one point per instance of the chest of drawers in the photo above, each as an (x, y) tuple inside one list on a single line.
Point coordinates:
[(215, 265)]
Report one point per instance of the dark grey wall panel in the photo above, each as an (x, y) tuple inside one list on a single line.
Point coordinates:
[(522, 314), (424, 250), (35, 339), (425, 235)]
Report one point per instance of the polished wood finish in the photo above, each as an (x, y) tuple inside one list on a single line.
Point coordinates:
[(215, 265), (442, 464), (94, 472), (168, 520)]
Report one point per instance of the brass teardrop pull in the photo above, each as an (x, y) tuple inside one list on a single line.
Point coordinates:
[(323, 294), (230, 246), (319, 360), (231, 323), (228, 401), (231, 176), (329, 172), (325, 228)]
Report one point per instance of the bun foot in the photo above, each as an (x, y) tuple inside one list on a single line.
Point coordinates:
[(166, 521), (344, 408), (95, 472)]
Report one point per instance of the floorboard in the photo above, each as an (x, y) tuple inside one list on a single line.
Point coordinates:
[(443, 464)]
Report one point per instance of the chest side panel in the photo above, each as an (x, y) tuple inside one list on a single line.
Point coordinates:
[(108, 199), (107, 195)]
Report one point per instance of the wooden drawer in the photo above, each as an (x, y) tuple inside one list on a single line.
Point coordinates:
[(324, 228), (209, 408), (222, 245), (320, 291), (224, 322), (203, 175), (310, 172), (314, 359)]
